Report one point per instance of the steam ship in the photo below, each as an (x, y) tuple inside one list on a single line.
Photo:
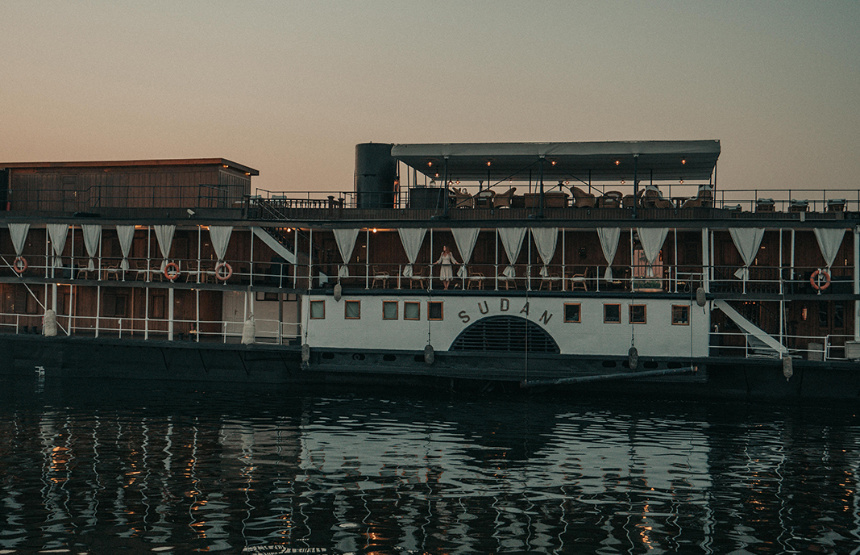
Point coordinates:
[(580, 266)]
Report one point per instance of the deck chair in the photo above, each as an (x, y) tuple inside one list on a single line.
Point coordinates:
[(581, 199), (484, 199), (579, 280), (380, 278), (416, 280), (610, 199), (654, 199), (462, 199), (503, 200), (704, 198)]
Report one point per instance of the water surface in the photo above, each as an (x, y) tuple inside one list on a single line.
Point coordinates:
[(142, 467)]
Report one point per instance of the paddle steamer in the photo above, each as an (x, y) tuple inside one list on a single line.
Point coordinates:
[(599, 264)]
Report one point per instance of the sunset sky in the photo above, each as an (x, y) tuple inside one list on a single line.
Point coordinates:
[(290, 88)]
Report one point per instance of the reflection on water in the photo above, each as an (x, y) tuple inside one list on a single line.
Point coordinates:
[(102, 467)]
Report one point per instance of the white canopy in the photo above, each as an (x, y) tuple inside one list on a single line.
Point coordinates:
[(512, 241), (609, 237), (220, 236), (829, 241), (164, 235), (92, 238), (18, 232), (125, 233), (546, 239), (652, 239), (747, 240), (345, 244), (58, 233), (412, 239), (465, 237)]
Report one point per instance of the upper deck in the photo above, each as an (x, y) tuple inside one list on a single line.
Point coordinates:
[(464, 184), (554, 182)]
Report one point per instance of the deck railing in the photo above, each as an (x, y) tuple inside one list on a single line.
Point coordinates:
[(218, 331), (723, 344), (807, 347), (670, 278), (267, 204)]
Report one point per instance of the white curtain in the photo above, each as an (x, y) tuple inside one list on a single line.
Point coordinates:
[(747, 240), (220, 236), (125, 233), (829, 241), (512, 240), (58, 233), (609, 237), (345, 243), (412, 239), (18, 232), (164, 235), (92, 237), (465, 237), (652, 239), (546, 239)]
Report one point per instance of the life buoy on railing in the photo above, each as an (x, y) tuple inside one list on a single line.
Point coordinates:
[(171, 270), (19, 265), (223, 271), (815, 280)]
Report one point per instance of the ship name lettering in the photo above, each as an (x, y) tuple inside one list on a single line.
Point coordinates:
[(504, 306)]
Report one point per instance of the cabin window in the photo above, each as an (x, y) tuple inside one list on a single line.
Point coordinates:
[(612, 314), (637, 314), (317, 310), (411, 310), (389, 310), (680, 315), (434, 310), (352, 310), (572, 313)]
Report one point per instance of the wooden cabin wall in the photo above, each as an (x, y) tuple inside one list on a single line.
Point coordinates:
[(19, 307), (129, 304), (86, 189), (808, 255), (819, 318), (578, 250)]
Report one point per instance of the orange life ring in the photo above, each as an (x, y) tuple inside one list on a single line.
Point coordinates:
[(19, 265), (223, 271), (814, 281), (171, 271)]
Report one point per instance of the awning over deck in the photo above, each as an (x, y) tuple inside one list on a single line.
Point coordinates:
[(597, 161)]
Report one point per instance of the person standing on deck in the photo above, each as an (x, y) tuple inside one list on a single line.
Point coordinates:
[(447, 260)]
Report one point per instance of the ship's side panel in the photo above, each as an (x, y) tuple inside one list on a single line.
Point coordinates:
[(661, 327)]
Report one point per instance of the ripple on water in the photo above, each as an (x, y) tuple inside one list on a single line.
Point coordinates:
[(179, 470)]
